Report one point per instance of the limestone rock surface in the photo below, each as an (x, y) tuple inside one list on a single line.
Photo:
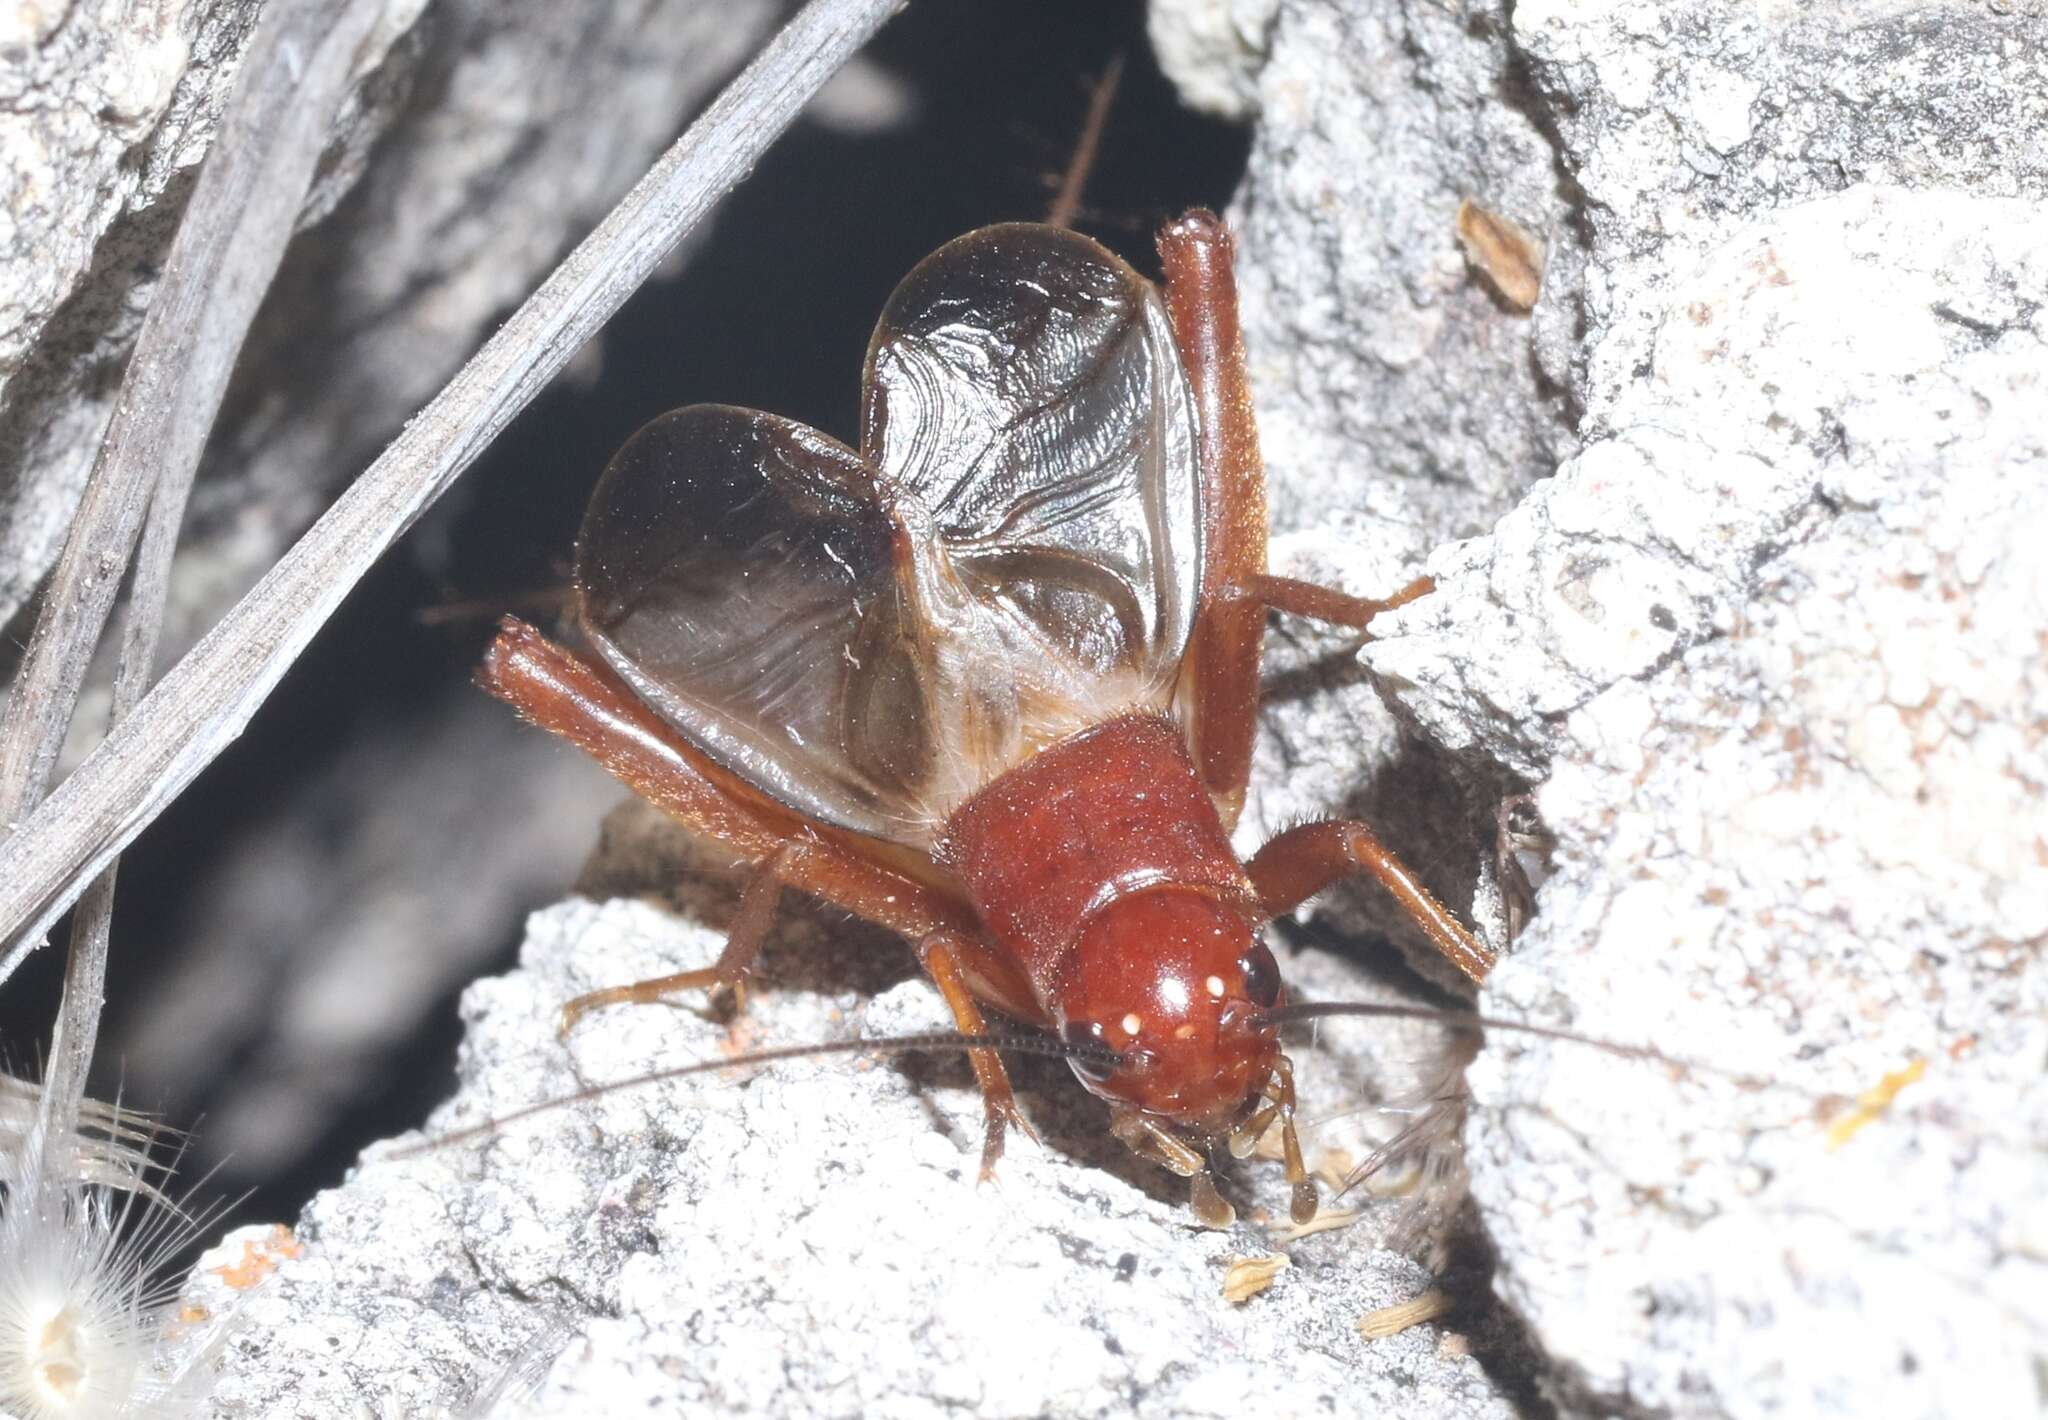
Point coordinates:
[(1767, 646)]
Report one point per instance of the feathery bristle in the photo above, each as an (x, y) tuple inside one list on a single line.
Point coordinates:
[(110, 1146)]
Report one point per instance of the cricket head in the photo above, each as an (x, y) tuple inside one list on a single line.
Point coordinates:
[(1167, 995)]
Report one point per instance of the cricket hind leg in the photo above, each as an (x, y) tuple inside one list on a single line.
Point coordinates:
[(561, 692), (1219, 688)]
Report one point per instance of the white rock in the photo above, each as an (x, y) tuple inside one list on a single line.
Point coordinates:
[(1213, 50), (1785, 841), (1770, 646)]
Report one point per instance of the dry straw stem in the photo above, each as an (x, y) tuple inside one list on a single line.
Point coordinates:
[(299, 67), (110, 1147), (226, 251), (204, 701)]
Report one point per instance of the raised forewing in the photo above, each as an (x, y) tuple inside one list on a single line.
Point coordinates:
[(870, 639), (1024, 390), (735, 569)]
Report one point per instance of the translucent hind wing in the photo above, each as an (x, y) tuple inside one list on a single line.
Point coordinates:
[(1023, 389), (869, 640), (736, 570)]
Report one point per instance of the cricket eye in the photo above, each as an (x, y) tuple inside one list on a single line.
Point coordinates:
[(1261, 976), (1095, 1062)]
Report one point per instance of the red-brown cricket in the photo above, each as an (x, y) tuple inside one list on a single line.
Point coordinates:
[(991, 680)]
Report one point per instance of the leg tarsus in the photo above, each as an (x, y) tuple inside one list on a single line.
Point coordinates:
[(1302, 1206), (1146, 1138), (998, 1100), (1211, 1209), (743, 942)]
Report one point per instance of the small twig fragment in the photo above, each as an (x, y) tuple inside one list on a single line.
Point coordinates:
[(1872, 1103), (1246, 1277), (1392, 1321)]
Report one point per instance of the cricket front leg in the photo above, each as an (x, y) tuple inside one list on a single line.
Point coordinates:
[(940, 955), (1301, 862)]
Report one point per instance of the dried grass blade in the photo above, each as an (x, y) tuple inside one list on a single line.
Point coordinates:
[(305, 56)]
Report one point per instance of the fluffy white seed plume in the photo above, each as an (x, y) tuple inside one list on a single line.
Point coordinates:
[(86, 1290)]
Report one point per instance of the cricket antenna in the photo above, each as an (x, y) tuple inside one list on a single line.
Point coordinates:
[(1096, 1056), (1476, 1023), (1066, 203)]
